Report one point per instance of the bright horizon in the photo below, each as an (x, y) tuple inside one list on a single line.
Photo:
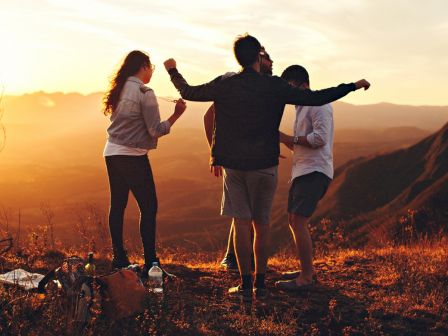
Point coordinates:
[(343, 100), (64, 46)]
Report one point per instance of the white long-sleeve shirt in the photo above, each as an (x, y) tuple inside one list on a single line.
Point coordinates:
[(316, 123)]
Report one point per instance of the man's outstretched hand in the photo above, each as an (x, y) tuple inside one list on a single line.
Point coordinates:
[(362, 84), (170, 64)]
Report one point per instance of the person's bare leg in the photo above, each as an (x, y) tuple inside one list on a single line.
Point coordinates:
[(230, 248), (302, 238), (243, 248), (261, 247)]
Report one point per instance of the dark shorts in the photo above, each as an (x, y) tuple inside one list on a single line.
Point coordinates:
[(305, 192)]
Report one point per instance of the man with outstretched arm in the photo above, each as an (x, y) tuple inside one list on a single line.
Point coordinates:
[(248, 110), (229, 261)]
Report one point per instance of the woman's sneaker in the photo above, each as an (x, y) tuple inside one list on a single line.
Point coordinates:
[(120, 260)]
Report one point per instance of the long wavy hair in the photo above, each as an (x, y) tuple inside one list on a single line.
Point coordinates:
[(131, 65)]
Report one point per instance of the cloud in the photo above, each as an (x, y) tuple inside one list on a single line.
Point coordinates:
[(335, 39)]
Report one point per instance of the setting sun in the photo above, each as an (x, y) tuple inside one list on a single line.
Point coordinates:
[(74, 47)]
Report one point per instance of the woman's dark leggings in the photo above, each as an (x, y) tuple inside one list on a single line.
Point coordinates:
[(132, 173)]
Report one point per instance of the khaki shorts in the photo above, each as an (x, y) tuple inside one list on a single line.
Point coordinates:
[(249, 194)]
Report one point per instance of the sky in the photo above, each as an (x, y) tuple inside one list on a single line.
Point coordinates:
[(400, 46)]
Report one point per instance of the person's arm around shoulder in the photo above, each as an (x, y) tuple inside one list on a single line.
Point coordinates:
[(204, 92), (306, 97)]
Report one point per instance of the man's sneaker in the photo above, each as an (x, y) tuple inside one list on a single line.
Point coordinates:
[(120, 260), (244, 294), (261, 293), (229, 263)]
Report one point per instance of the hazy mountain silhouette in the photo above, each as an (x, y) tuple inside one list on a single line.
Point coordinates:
[(373, 194), (54, 150), (82, 109)]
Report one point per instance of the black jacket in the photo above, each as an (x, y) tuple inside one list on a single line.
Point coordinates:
[(248, 110)]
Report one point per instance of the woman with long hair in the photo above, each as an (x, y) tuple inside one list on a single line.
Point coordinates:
[(134, 130)]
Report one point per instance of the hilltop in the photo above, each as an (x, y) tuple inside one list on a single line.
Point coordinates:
[(379, 197), (389, 291)]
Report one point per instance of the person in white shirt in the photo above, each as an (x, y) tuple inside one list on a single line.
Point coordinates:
[(312, 172)]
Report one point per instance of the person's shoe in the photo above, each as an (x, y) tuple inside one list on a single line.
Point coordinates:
[(229, 263), (261, 293), (292, 286), (120, 260), (290, 275), (244, 294)]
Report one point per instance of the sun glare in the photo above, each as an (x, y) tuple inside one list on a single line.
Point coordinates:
[(15, 70)]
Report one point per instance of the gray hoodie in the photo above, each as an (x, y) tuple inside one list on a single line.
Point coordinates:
[(135, 122)]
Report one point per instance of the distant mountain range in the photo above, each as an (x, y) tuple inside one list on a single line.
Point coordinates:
[(378, 197), (80, 109), (54, 149)]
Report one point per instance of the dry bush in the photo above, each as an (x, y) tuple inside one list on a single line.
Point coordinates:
[(91, 228), (328, 236), (396, 289)]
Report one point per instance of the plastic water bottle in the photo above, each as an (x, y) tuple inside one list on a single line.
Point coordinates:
[(155, 278)]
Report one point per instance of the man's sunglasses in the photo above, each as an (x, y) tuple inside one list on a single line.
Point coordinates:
[(265, 55)]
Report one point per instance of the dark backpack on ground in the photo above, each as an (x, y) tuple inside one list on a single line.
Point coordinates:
[(120, 294)]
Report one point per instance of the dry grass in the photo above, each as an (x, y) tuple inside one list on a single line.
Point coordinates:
[(391, 290)]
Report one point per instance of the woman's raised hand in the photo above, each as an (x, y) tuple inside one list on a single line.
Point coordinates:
[(181, 106)]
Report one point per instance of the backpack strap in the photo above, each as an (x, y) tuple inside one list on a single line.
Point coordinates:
[(49, 276), (52, 275)]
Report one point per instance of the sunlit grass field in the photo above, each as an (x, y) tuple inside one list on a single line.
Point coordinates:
[(391, 290)]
